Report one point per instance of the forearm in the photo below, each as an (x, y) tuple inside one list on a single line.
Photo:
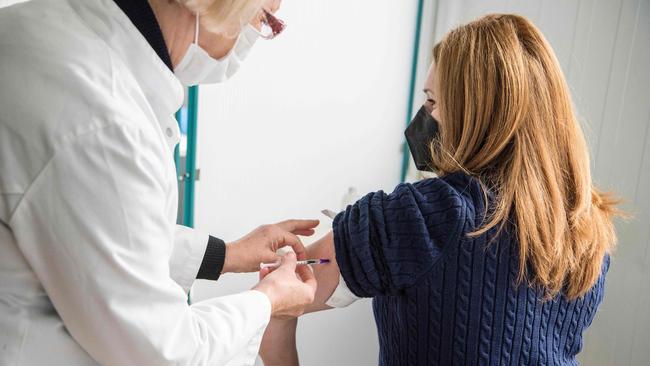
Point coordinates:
[(279, 343)]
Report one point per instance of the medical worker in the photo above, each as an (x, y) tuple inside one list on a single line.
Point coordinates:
[(93, 268)]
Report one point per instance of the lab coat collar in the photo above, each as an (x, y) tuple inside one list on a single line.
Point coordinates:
[(159, 84), (143, 18)]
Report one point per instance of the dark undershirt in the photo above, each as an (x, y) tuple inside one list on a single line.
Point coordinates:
[(144, 19)]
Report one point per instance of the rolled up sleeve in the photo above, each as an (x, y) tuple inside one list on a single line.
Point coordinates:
[(385, 242), (187, 255)]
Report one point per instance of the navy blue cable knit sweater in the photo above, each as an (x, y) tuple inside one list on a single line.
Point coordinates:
[(442, 298)]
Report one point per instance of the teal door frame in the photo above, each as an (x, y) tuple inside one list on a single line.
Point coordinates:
[(414, 66), (188, 174)]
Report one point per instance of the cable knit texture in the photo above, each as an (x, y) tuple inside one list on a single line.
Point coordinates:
[(443, 298)]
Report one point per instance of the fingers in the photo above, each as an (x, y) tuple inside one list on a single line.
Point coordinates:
[(288, 262), (307, 276), (308, 232), (296, 244), (270, 257), (295, 225), (287, 238), (290, 231), (264, 272)]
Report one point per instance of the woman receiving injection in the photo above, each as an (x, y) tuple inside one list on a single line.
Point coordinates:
[(502, 258)]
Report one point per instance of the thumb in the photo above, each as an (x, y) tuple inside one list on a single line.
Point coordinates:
[(289, 261), (307, 276), (264, 272)]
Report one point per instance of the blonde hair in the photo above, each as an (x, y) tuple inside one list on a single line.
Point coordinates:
[(507, 118), (224, 16)]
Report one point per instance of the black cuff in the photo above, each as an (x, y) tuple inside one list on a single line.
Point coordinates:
[(215, 255)]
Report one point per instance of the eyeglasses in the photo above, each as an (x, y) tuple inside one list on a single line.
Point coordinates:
[(270, 26)]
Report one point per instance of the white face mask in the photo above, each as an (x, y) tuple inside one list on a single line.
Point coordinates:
[(198, 67)]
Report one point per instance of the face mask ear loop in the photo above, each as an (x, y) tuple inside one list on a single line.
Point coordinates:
[(196, 30)]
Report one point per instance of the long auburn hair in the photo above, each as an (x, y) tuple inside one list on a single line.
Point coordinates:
[(507, 118)]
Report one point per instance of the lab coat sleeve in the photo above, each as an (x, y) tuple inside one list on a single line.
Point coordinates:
[(95, 228), (189, 248), (196, 255)]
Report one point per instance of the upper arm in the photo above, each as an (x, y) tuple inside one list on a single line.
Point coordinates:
[(386, 242), (327, 275)]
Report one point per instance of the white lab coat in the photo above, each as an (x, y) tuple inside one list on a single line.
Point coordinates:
[(93, 269)]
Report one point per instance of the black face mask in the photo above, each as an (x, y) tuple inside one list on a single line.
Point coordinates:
[(419, 134)]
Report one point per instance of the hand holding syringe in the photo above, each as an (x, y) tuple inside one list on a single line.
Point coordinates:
[(299, 263)]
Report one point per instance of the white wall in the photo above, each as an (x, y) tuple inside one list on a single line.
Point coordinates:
[(4, 3), (311, 113), (322, 108), (604, 49)]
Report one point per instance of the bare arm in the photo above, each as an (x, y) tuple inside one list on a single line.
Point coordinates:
[(279, 343), (326, 275)]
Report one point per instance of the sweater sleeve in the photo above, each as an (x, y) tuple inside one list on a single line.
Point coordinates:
[(385, 242)]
